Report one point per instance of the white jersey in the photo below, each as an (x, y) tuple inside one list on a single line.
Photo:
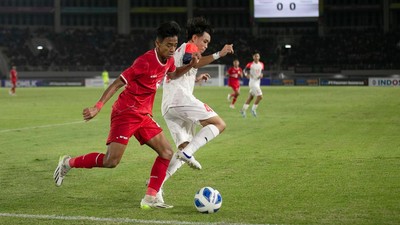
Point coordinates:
[(179, 92), (181, 110), (255, 73)]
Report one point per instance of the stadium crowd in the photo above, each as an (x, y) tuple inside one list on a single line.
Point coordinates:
[(71, 50), (348, 50), (85, 50)]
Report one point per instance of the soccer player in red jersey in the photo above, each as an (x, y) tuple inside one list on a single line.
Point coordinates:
[(132, 113), (13, 78), (234, 73)]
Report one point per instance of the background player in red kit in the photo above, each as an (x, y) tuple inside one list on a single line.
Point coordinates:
[(13, 78), (234, 73), (132, 113)]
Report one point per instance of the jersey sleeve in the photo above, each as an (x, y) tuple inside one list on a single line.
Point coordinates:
[(138, 68), (178, 55), (230, 70), (172, 66), (247, 68), (187, 56)]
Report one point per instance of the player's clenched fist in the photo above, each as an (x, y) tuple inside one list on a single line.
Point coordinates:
[(203, 76), (89, 113), (196, 56)]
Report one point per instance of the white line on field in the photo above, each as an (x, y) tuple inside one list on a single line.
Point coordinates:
[(43, 126), (119, 220)]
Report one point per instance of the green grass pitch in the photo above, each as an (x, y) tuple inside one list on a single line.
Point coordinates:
[(314, 155)]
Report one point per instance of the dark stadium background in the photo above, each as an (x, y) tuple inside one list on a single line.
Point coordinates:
[(351, 40)]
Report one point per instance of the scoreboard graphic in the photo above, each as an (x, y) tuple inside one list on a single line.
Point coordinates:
[(286, 8)]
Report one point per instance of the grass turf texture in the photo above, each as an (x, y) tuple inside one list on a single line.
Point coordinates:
[(314, 155)]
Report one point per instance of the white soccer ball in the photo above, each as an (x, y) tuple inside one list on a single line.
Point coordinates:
[(207, 200)]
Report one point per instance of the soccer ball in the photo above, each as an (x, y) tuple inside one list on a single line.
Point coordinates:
[(207, 200)]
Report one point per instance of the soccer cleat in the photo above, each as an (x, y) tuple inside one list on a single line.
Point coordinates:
[(160, 196), (61, 170), (243, 113), (190, 160), (146, 204), (254, 112), (231, 106)]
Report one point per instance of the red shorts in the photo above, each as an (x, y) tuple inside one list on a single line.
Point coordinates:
[(128, 123), (234, 85)]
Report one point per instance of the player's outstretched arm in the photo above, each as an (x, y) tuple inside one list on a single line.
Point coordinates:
[(227, 49), (91, 112), (246, 72)]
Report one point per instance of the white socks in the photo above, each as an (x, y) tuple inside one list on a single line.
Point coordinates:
[(205, 135), (174, 165), (245, 107)]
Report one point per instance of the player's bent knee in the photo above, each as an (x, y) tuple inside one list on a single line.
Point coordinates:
[(221, 125), (166, 154)]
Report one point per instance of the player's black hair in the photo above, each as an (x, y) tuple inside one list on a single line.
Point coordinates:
[(197, 26), (168, 29), (256, 52)]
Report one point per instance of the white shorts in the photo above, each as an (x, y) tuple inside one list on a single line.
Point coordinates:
[(182, 120), (255, 90)]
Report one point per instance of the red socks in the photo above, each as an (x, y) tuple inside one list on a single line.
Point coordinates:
[(157, 175), (90, 160), (234, 100), (95, 159)]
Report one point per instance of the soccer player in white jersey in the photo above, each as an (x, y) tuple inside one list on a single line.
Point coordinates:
[(181, 110), (254, 72)]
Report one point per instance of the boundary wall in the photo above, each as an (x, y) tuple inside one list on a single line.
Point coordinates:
[(217, 72)]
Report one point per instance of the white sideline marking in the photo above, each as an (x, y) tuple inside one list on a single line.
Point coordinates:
[(43, 126), (119, 220)]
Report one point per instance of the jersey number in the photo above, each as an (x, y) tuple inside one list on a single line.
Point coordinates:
[(208, 108)]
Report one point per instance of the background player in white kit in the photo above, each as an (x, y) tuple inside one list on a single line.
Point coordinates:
[(253, 71), (181, 110)]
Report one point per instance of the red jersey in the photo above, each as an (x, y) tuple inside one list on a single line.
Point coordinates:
[(13, 75), (234, 75), (142, 79)]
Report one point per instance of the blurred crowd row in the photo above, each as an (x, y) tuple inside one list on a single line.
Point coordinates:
[(348, 50), (86, 50)]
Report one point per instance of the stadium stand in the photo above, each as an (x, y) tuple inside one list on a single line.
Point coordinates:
[(344, 36), (83, 50)]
